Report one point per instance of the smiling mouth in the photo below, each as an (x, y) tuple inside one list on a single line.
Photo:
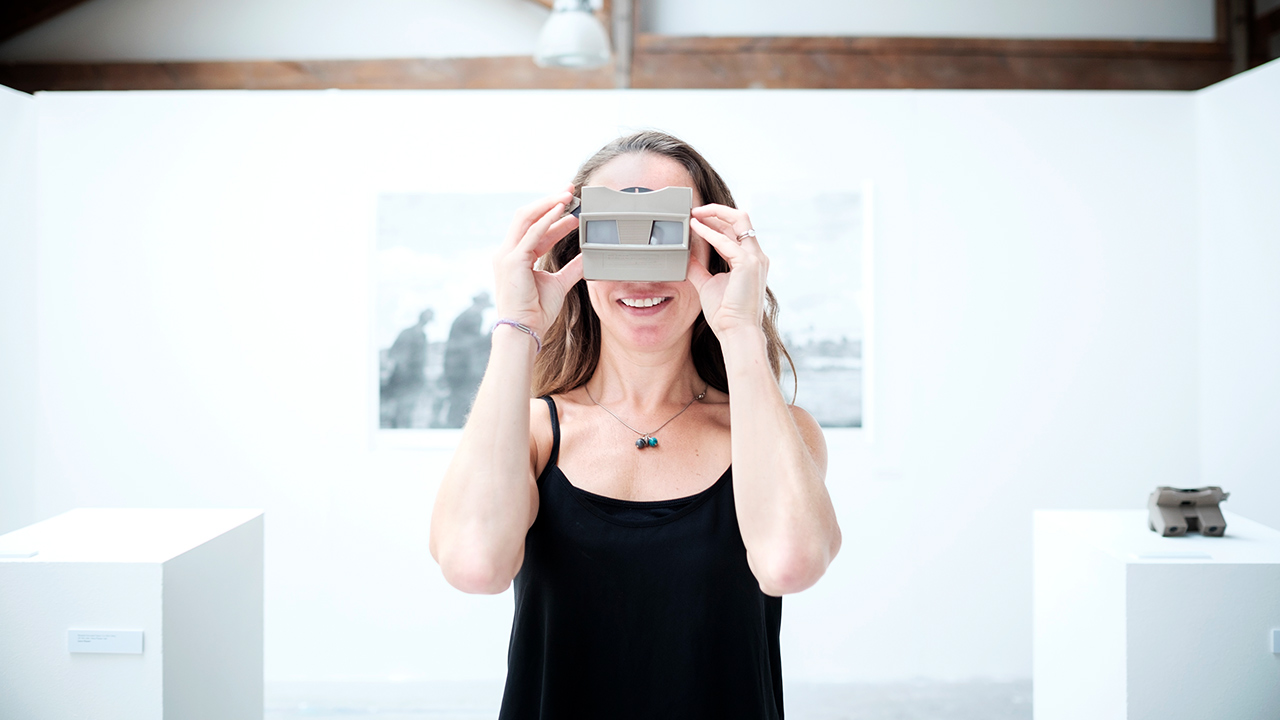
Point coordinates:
[(643, 302)]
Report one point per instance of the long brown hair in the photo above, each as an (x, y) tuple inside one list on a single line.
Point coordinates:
[(571, 349)]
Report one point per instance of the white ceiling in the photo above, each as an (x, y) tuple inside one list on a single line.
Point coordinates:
[(149, 30), (281, 29), (1093, 19)]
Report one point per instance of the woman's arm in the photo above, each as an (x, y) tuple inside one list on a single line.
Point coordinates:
[(488, 498), (779, 455), (779, 464)]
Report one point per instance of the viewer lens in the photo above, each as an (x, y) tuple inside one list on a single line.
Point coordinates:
[(666, 232), (602, 232)]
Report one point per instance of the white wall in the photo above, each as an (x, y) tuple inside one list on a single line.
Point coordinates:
[(1094, 19), (1239, 151), (205, 324), (1052, 363), (18, 396), (318, 29)]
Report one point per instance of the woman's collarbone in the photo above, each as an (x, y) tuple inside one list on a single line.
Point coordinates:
[(644, 475)]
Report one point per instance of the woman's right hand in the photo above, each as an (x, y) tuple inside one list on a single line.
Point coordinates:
[(529, 296)]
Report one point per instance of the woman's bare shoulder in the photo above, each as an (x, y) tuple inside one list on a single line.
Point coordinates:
[(541, 432), (541, 437)]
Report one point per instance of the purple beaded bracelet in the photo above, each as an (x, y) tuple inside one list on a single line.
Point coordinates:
[(521, 328)]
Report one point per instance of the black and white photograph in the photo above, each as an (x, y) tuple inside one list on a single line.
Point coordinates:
[(815, 245), (434, 302)]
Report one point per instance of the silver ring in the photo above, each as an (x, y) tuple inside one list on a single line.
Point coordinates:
[(747, 234)]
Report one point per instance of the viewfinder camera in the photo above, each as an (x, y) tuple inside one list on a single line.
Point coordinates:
[(636, 234), (1178, 511)]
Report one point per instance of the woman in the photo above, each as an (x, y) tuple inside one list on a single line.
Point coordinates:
[(648, 577)]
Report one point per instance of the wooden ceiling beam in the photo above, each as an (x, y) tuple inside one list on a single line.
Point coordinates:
[(648, 43), (1263, 29), (494, 73), (664, 62), (956, 63), (17, 16)]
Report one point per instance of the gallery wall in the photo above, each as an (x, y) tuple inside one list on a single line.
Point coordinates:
[(1239, 261), (205, 324), (18, 397)]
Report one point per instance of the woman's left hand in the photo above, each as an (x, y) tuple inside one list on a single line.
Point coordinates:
[(733, 300)]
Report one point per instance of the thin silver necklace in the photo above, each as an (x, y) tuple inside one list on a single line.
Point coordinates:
[(647, 440)]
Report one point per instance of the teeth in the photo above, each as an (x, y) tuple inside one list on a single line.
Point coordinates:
[(642, 302)]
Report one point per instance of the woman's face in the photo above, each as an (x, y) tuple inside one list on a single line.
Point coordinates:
[(648, 315)]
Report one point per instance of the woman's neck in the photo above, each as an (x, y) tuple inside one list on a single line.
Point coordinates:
[(645, 380)]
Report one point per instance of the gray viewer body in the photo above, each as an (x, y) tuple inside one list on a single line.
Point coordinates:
[(1176, 511), (636, 234)]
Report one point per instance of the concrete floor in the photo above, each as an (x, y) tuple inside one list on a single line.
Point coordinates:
[(804, 701)]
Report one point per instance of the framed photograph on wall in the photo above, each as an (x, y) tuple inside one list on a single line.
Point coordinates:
[(819, 251), (433, 304), (433, 307)]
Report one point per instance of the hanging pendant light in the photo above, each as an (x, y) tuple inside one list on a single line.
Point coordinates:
[(572, 38)]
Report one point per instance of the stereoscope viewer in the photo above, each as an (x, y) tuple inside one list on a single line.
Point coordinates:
[(636, 234), (1176, 511)]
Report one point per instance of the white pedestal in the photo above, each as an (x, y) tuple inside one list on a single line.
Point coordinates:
[(189, 580), (1129, 624)]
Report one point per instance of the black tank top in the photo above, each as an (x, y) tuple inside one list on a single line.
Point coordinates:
[(639, 610)]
